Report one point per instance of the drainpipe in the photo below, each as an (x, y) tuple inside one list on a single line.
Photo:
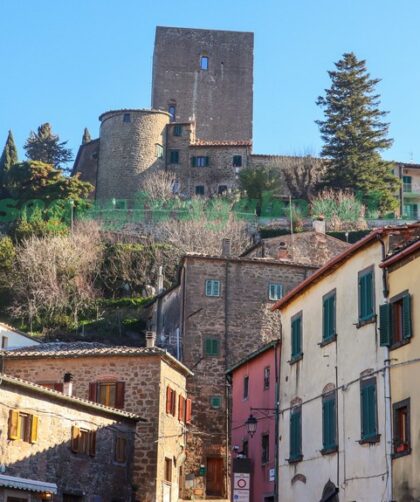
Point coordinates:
[(277, 348), (227, 468), (401, 191)]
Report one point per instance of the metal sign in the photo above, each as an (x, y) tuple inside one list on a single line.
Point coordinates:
[(241, 495), (241, 481)]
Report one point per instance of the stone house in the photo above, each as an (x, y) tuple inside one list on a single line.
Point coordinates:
[(218, 313), (400, 331), (335, 434), (146, 381), (58, 445)]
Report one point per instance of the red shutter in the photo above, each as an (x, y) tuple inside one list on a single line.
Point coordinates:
[(173, 404), (168, 399), (181, 409), (119, 395), (92, 392), (58, 387), (188, 411)]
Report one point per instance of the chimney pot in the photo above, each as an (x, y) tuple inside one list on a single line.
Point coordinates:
[(283, 252), (68, 384), (150, 339)]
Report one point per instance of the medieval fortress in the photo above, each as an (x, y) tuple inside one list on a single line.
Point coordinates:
[(199, 126)]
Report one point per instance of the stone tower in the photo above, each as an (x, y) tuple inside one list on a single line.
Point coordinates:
[(205, 76)]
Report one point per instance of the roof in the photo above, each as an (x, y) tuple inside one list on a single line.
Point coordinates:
[(39, 389), (329, 267), (410, 248), (102, 116), (11, 328), (407, 165), (202, 142), (30, 485), (91, 349), (254, 354)]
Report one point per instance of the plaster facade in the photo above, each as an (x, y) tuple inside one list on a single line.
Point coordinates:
[(13, 339)]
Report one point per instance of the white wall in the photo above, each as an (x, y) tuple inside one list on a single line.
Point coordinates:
[(15, 339)]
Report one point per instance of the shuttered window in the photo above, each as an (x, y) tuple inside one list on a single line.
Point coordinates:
[(170, 401), (329, 421), (401, 429), (295, 434), (328, 316), (199, 161), (83, 441), (296, 336), (188, 411), (181, 408), (107, 393), (366, 296), (368, 409), (275, 291), (212, 287), (211, 347), (120, 449), (174, 156), (178, 130), (395, 321), (23, 426)]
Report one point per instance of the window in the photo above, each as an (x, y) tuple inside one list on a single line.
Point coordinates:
[(237, 161), (328, 317), (170, 401), (275, 291), (177, 130), (368, 410), (211, 347), (411, 211), (181, 408), (200, 161), (295, 435), (83, 441), (212, 287), (222, 189), (329, 423), (265, 448), (297, 337), (216, 402), (246, 388), (174, 156), (204, 63), (58, 386), (120, 449), (401, 438), (395, 321), (366, 296), (126, 118), (172, 112), (107, 393), (245, 448), (407, 184), (199, 190), (168, 470), (23, 426), (4, 342), (267, 377), (188, 411), (159, 151)]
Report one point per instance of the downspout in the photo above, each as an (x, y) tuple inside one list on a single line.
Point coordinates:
[(387, 390), (277, 418), (401, 191), (337, 428), (227, 468)]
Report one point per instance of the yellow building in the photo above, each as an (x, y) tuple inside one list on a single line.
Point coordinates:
[(400, 330)]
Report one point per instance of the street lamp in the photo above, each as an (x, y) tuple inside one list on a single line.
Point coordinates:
[(251, 425)]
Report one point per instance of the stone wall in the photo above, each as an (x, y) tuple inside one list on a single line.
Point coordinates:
[(50, 458), (145, 387)]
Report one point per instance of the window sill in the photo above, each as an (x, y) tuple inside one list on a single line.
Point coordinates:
[(370, 440), (295, 359), (294, 460), (401, 453), (364, 322), (327, 341), (329, 451), (399, 344)]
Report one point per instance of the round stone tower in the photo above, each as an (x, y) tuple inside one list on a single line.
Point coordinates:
[(131, 143)]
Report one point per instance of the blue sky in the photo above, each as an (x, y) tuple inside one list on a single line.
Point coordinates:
[(67, 61)]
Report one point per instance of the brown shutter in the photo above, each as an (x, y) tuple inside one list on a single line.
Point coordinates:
[(34, 429), (75, 434), (181, 408), (119, 395), (92, 391), (173, 403), (188, 411), (168, 399), (92, 443), (14, 423)]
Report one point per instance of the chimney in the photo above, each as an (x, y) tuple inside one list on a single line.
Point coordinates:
[(68, 384), (283, 252), (319, 226), (226, 248), (150, 339), (160, 280)]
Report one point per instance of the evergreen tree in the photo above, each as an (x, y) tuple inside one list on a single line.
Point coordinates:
[(256, 181), (86, 136), (7, 159), (354, 133), (44, 146)]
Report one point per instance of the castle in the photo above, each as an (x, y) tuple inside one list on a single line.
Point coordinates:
[(199, 127)]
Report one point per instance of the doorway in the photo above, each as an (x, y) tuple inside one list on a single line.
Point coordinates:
[(215, 477)]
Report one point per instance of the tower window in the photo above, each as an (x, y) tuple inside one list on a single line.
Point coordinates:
[(237, 161), (172, 112), (126, 118), (204, 63), (178, 130)]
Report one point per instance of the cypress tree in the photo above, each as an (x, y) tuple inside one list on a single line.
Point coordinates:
[(8, 158), (86, 136), (354, 133)]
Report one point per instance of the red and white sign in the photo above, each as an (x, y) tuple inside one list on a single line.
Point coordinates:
[(241, 481)]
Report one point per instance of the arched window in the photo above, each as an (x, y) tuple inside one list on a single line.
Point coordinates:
[(204, 62), (172, 110)]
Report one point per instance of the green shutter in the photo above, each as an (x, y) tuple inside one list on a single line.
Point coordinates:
[(208, 346), (206, 161), (208, 288), (194, 161), (295, 434), (368, 402), (366, 307), (328, 315), (216, 288), (329, 422), (296, 337), (406, 308), (215, 347), (385, 325)]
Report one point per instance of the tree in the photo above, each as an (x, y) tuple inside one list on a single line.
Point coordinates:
[(257, 180), (46, 147), (86, 136), (159, 185), (301, 175), (354, 133), (7, 159)]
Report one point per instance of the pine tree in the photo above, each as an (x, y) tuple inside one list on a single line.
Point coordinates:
[(44, 146), (86, 136), (354, 133), (8, 158)]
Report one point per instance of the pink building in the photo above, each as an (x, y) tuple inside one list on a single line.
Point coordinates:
[(255, 394)]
